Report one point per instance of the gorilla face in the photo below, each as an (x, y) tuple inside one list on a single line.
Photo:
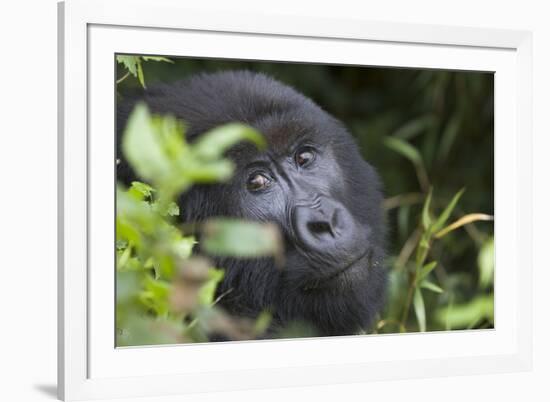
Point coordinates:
[(311, 181)]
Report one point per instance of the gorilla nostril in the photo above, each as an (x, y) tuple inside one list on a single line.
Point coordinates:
[(320, 227)]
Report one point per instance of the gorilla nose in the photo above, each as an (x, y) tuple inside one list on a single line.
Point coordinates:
[(326, 228)]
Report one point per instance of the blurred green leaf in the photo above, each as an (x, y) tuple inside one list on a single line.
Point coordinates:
[(464, 315), (141, 146), (414, 127), (237, 238), (140, 76), (157, 58), (448, 137), (431, 286), (404, 148), (155, 295), (141, 188), (124, 257), (213, 144), (166, 209), (183, 246), (208, 289), (127, 284), (262, 322), (486, 263), (419, 310), (139, 329)]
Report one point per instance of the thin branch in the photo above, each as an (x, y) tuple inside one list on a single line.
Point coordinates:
[(407, 250), (402, 199), (123, 77)]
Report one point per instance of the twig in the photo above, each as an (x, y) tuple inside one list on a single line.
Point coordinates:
[(123, 77), (402, 199), (408, 249)]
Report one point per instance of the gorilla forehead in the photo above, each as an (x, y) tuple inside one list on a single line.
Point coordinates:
[(281, 114)]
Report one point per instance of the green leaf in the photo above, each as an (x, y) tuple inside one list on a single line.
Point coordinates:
[(426, 219), (262, 323), (183, 246), (123, 258), (486, 263), (448, 137), (461, 316), (156, 58), (121, 244), (140, 76), (127, 286), (155, 295), (170, 209), (404, 148), (207, 291), (425, 270), (214, 143), (447, 212), (231, 237), (141, 188), (130, 63), (419, 309), (142, 147), (431, 286), (414, 127), (208, 171)]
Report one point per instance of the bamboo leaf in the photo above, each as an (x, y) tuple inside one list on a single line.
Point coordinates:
[(447, 212), (431, 286), (140, 76), (414, 127), (426, 219), (463, 221), (419, 310), (425, 270), (405, 149)]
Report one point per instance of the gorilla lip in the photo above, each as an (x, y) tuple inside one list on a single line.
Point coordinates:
[(318, 283)]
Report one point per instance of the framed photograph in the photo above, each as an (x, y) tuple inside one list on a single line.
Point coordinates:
[(255, 201)]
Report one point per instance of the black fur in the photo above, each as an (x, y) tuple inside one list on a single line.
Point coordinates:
[(328, 210)]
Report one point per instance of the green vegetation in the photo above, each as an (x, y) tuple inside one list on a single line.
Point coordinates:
[(164, 293)]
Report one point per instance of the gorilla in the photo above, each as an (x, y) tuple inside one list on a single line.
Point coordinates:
[(311, 181)]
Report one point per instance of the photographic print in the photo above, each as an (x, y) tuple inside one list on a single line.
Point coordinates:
[(262, 200)]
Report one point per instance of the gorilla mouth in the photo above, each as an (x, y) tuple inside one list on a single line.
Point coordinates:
[(337, 274)]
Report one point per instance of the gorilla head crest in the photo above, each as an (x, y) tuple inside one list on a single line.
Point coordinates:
[(311, 181)]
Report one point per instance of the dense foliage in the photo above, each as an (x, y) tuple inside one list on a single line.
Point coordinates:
[(429, 134)]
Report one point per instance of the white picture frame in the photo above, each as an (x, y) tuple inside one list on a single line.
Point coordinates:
[(91, 32)]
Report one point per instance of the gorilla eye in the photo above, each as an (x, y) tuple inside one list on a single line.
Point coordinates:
[(304, 156), (257, 182)]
